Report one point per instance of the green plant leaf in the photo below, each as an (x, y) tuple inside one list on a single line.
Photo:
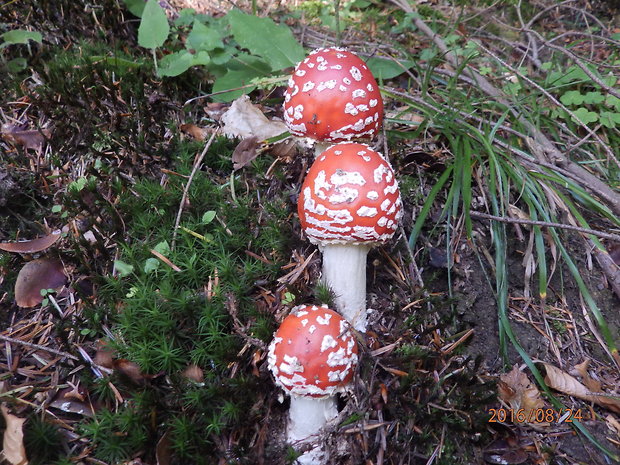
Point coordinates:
[(593, 98), (263, 37), (384, 68), (175, 63), (154, 27), (151, 264), (241, 73), (135, 7), (162, 247), (123, 269), (17, 64), (572, 97), (585, 116), (613, 101), (610, 120), (20, 36), (203, 37), (208, 216)]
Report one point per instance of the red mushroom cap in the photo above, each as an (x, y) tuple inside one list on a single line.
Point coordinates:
[(332, 96), (350, 195), (313, 353)]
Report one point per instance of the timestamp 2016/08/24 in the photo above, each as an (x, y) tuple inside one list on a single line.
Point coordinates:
[(536, 415)]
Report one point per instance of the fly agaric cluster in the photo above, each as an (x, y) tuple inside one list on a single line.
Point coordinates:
[(349, 202)]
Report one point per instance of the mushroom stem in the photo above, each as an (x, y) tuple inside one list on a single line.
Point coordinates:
[(307, 415), (320, 147), (344, 271)]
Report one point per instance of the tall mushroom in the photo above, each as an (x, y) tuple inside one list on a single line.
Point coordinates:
[(349, 202), (312, 357), (332, 96)]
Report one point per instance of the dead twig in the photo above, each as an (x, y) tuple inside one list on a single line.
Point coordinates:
[(197, 165), (502, 219)]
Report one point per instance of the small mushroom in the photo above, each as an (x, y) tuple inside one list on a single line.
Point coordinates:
[(312, 357), (349, 202), (332, 96)]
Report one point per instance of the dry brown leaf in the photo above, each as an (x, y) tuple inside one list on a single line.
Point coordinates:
[(194, 373), (516, 389), (28, 138), (582, 370), (566, 384), (31, 246), (245, 152), (39, 274), (104, 356), (13, 451), (613, 424), (131, 370), (196, 132), (245, 120), (163, 451)]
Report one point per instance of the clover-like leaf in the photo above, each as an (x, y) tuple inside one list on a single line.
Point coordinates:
[(572, 97), (584, 116)]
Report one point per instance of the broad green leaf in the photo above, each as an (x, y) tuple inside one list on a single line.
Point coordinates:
[(385, 68), (154, 27), (593, 98), (123, 269), (17, 64), (162, 247), (263, 37), (175, 63), (151, 264), (572, 97), (585, 116), (208, 216), (135, 7), (609, 119), (242, 70), (186, 17), (613, 101), (204, 38), (20, 36)]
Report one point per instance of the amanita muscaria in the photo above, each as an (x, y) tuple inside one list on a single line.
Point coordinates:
[(332, 96), (312, 357), (349, 202)]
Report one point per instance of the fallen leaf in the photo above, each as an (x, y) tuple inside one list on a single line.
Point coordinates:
[(163, 451), (38, 274), (582, 370), (196, 132), (516, 389), (245, 152), (13, 450), (31, 246), (131, 370), (284, 149), (104, 356), (566, 384), (245, 120), (194, 373), (28, 138)]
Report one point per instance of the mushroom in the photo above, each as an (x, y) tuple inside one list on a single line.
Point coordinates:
[(349, 202), (332, 97), (312, 357)]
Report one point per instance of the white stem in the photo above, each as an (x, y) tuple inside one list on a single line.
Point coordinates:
[(307, 415), (344, 271), (320, 147)]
